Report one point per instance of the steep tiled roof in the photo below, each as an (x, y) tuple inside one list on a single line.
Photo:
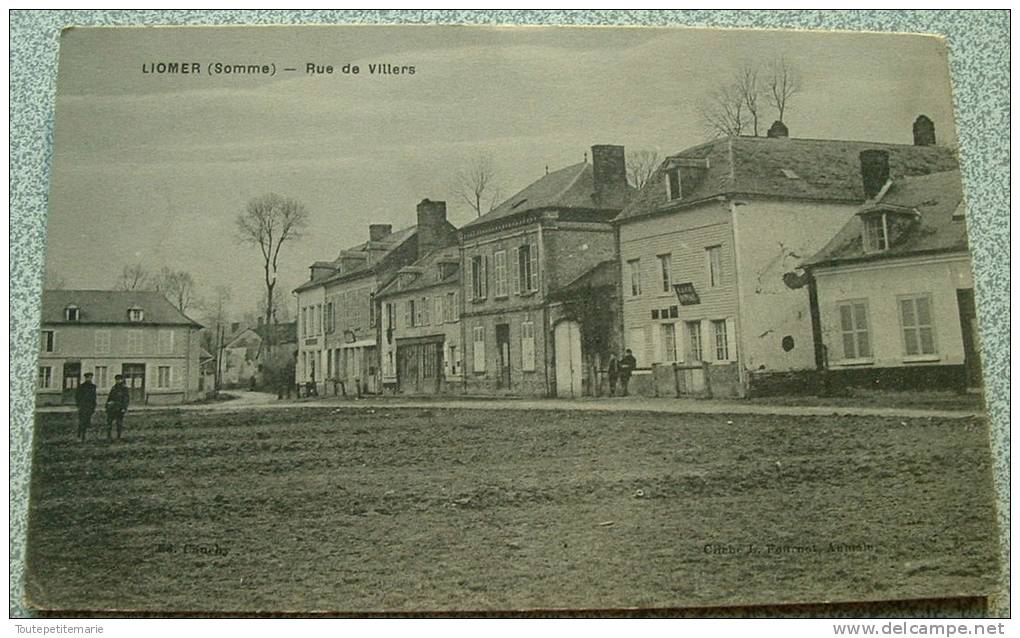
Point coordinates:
[(428, 272), (361, 251), (570, 187), (935, 199), (111, 307), (791, 168)]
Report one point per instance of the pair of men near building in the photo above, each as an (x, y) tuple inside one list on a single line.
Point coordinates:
[(620, 371), (116, 406)]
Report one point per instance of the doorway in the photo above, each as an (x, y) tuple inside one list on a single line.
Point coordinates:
[(567, 341), (72, 376), (503, 347), (134, 380), (969, 330)]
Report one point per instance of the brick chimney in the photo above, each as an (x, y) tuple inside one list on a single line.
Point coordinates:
[(609, 167), (924, 131), (378, 232), (433, 231), (778, 129), (874, 171)]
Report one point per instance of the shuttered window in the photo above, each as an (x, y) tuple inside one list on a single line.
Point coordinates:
[(918, 325), (853, 323)]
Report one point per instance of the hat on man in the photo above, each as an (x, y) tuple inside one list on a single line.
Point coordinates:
[(88, 375)]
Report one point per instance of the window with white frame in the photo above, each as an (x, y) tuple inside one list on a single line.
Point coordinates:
[(528, 346), (673, 190), (668, 341), (426, 314), (136, 314), (853, 325), (48, 340), (722, 340), (479, 284), (71, 313), (166, 341), (665, 271), (499, 267), (409, 313), (455, 304), (45, 377), (440, 311), (102, 376), (694, 341), (715, 270), (527, 269), (876, 233), (918, 325), (478, 349), (163, 377), (135, 341), (634, 268)]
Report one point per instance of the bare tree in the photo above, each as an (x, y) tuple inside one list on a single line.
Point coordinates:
[(782, 83), (278, 310), (739, 106), (476, 184), (723, 112), (178, 286), (748, 88), (641, 166), (133, 277), (268, 222)]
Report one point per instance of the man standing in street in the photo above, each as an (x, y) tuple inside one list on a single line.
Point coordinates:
[(627, 365), (116, 406), (85, 399)]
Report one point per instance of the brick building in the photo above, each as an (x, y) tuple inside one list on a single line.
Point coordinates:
[(419, 327), (512, 258), (337, 310)]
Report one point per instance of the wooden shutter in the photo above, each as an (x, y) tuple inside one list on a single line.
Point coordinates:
[(528, 346), (731, 338), (515, 270), (533, 284)]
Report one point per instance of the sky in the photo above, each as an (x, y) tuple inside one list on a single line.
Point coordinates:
[(155, 168)]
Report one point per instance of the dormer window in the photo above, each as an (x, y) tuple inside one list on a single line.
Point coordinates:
[(71, 313), (673, 190), (876, 233), (135, 314)]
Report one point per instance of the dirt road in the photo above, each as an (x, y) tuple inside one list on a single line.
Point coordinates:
[(411, 509)]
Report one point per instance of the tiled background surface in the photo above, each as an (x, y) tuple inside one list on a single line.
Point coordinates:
[(979, 59)]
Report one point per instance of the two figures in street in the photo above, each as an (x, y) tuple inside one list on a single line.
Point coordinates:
[(116, 405)]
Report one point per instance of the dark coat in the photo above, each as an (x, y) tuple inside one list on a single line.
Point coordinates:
[(627, 365), (85, 396), (614, 369), (119, 398)]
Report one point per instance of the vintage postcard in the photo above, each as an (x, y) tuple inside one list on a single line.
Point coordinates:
[(433, 318)]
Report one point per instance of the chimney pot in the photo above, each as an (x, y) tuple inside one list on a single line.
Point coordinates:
[(874, 171), (924, 131), (778, 129), (378, 232)]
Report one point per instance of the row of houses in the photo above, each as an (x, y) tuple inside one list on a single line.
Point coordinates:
[(745, 265)]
